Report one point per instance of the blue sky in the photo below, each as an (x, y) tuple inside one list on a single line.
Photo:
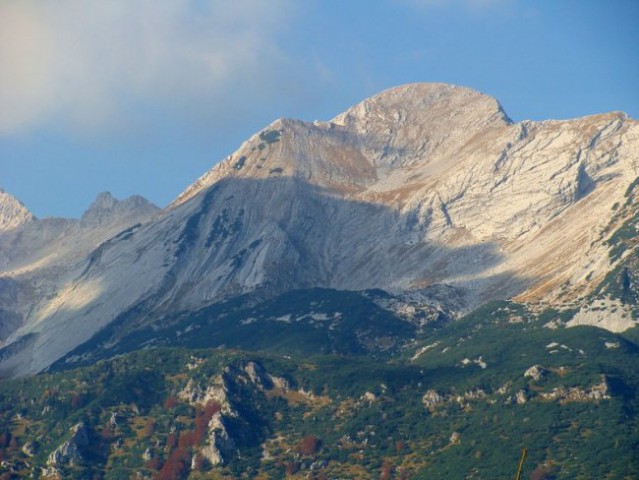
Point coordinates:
[(144, 96)]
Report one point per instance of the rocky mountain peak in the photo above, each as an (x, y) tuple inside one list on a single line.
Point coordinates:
[(397, 129), (12, 212), (422, 103), (106, 208), (104, 201)]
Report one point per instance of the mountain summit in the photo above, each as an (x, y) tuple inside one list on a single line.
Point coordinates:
[(106, 208), (400, 127), (420, 186), (425, 106), (12, 212)]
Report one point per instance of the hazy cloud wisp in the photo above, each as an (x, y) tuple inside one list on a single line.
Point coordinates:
[(81, 62)]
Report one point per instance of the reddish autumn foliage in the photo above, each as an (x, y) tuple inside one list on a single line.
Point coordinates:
[(176, 466), (309, 445), (190, 438), (170, 402), (202, 418), (387, 472), (171, 441), (186, 439), (154, 464)]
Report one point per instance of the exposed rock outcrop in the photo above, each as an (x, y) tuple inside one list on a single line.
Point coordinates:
[(536, 372), (577, 394), (220, 446), (71, 451), (30, 448)]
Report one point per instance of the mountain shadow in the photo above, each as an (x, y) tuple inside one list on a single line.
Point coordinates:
[(265, 238)]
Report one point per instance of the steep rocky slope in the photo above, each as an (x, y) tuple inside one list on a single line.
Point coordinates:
[(39, 256), (491, 200), (420, 185)]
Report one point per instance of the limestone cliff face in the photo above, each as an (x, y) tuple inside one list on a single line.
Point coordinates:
[(422, 184), (432, 183)]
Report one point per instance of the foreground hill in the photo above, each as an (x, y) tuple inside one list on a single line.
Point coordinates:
[(459, 402)]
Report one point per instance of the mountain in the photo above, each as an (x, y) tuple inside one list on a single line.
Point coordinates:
[(38, 256), (107, 210), (420, 186), (12, 212), (418, 288)]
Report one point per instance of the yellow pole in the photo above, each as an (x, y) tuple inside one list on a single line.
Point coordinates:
[(524, 452)]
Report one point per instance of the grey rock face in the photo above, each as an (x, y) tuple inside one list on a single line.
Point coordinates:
[(12, 212), (220, 445), (30, 449), (536, 372), (70, 452)]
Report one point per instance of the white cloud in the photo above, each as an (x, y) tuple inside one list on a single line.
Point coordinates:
[(81, 62)]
